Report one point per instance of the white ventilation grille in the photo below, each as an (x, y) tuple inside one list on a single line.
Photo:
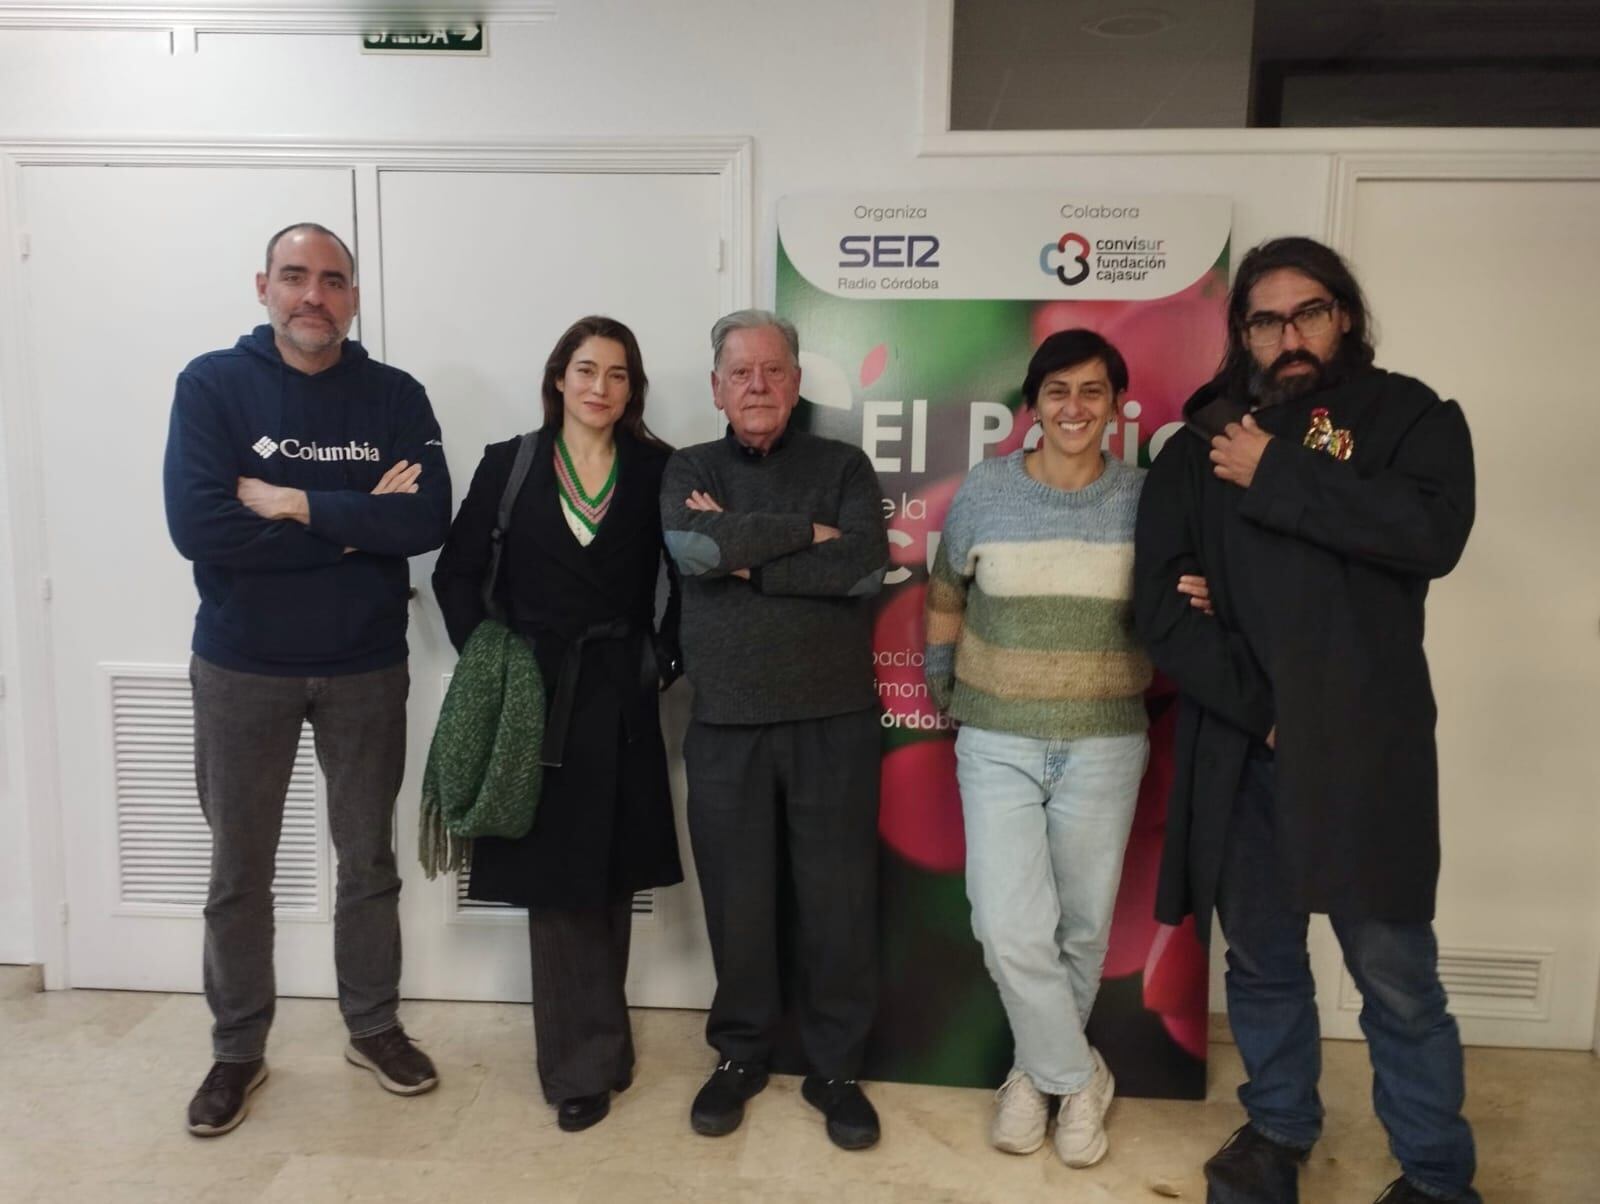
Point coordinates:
[(1490, 983), (163, 843), (644, 903)]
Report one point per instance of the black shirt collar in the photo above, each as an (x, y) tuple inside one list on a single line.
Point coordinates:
[(751, 452)]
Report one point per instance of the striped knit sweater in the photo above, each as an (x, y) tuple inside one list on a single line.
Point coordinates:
[(1030, 605)]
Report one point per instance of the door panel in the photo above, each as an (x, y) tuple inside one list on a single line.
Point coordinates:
[(482, 272), (1485, 290), (132, 272)]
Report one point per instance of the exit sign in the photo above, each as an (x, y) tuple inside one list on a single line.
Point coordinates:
[(453, 39)]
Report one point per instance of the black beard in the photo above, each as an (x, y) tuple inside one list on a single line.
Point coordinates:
[(1267, 388)]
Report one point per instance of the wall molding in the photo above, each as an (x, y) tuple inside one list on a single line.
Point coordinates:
[(267, 18), (30, 692), (730, 157), (700, 154), (1352, 170)]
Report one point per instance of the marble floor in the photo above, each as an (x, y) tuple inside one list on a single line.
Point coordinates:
[(93, 1086)]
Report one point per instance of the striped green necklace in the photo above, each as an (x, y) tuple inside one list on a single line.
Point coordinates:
[(589, 510)]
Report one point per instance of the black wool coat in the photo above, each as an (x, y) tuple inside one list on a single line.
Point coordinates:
[(604, 828), (1331, 562)]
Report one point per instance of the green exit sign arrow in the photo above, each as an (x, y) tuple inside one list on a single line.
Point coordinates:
[(467, 38)]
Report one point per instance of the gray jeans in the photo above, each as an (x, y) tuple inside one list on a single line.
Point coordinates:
[(246, 732)]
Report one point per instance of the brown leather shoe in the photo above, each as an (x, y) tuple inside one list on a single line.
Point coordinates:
[(391, 1055), (223, 1100)]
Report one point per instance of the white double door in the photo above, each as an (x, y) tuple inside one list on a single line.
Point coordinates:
[(468, 277), (1484, 288)]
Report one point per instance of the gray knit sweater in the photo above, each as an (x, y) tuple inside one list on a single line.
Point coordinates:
[(795, 641)]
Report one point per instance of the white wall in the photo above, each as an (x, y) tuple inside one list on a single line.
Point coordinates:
[(829, 90)]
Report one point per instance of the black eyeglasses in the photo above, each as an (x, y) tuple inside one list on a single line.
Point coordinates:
[(1310, 322)]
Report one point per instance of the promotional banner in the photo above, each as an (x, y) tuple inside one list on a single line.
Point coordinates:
[(917, 316)]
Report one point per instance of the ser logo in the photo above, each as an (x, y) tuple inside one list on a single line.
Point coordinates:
[(1064, 248), (889, 251)]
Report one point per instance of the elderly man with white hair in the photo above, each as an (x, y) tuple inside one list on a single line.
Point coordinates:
[(779, 536)]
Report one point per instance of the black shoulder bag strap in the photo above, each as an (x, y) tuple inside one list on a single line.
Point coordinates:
[(502, 523)]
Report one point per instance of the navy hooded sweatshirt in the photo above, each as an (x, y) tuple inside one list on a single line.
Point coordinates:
[(277, 596)]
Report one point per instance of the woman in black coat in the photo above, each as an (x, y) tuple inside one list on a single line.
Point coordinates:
[(578, 578)]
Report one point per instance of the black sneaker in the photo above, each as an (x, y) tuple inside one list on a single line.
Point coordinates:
[(223, 1100), (391, 1055), (1403, 1191), (1251, 1168), (852, 1120), (719, 1106)]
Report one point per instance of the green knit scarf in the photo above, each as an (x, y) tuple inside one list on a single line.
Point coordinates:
[(483, 774)]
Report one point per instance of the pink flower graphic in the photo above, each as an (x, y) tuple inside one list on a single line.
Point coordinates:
[(920, 816), (872, 366)]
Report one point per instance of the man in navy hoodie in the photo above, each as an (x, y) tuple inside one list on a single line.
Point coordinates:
[(300, 473)]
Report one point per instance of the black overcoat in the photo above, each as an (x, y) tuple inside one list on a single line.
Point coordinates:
[(604, 827), (1336, 558)]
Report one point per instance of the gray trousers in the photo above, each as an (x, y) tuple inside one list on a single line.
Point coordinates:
[(246, 732), (581, 1033), (797, 799)]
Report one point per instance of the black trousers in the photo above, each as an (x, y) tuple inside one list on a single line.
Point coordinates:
[(807, 790), (581, 1034)]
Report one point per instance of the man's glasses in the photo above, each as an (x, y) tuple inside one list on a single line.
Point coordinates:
[(1310, 322)]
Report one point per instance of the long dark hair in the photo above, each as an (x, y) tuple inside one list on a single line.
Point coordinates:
[(595, 326), (1310, 258)]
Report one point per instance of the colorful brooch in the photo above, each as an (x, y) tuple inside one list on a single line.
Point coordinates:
[(1321, 435)]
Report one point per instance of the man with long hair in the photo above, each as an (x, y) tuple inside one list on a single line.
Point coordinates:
[(1318, 495)]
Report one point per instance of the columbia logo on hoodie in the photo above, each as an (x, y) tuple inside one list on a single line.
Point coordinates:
[(266, 447)]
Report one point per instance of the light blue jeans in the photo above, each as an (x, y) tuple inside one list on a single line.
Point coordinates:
[(1047, 822)]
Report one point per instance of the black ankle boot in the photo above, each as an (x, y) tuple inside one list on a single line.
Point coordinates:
[(1251, 1168), (581, 1111)]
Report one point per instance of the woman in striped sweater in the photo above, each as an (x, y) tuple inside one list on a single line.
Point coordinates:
[(1031, 648)]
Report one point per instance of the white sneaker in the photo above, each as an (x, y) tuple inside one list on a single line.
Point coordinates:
[(1021, 1112), (1080, 1125)]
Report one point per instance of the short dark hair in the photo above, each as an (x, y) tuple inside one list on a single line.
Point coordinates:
[(1310, 258), (314, 228), (1068, 349), (597, 326)]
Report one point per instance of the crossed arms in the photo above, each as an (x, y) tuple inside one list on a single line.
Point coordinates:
[(778, 553), (218, 517)]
